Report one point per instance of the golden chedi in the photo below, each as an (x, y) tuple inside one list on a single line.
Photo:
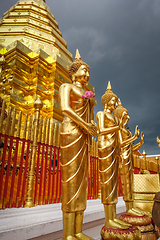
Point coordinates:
[(109, 145), (34, 59), (75, 133)]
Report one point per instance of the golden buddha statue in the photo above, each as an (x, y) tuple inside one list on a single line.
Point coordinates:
[(109, 145), (126, 167), (74, 149)]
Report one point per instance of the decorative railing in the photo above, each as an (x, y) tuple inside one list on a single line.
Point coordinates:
[(30, 159), (19, 140)]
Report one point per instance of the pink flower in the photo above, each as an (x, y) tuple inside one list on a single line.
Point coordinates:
[(88, 95)]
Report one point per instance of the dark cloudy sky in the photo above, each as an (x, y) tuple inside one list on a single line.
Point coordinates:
[(120, 40)]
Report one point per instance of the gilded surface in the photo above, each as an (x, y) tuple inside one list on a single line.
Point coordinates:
[(126, 166), (109, 144), (108, 151), (119, 234), (74, 164), (75, 131), (36, 59), (148, 183)]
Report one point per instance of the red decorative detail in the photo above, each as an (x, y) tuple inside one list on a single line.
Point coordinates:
[(8, 169), (14, 171), (121, 231), (129, 216), (49, 180), (53, 180), (20, 171), (25, 173), (41, 175), (37, 172), (97, 179), (136, 220), (3, 161), (57, 180), (45, 175)]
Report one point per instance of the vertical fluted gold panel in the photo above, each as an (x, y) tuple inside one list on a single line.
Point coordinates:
[(2, 116), (13, 122), (8, 121)]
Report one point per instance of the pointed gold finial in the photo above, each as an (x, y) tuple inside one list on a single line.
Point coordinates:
[(109, 86), (77, 55), (144, 153)]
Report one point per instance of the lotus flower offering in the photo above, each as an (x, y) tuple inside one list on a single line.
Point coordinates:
[(88, 95)]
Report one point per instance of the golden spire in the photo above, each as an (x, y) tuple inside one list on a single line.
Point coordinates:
[(109, 86), (77, 55)]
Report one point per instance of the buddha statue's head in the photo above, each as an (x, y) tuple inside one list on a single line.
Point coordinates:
[(79, 70), (109, 99), (121, 113)]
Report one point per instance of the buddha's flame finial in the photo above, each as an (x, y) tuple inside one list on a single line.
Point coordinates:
[(109, 86), (77, 55)]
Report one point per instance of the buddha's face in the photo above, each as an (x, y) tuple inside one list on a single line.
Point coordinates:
[(112, 104), (125, 118), (82, 74)]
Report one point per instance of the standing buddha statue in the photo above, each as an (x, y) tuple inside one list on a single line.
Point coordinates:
[(135, 217), (127, 166), (74, 136), (109, 146)]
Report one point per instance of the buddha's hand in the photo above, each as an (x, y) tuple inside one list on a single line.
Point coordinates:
[(158, 140), (137, 132), (142, 138), (92, 128)]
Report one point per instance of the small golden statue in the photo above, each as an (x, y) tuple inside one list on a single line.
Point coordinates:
[(127, 165), (109, 146), (74, 149)]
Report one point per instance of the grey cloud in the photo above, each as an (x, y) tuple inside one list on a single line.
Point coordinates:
[(119, 39)]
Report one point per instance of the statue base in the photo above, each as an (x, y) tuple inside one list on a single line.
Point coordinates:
[(136, 220), (120, 234), (143, 223), (149, 236)]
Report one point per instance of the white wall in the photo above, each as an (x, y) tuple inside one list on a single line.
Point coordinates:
[(45, 222)]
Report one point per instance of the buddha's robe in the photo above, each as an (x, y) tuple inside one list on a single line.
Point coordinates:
[(108, 152), (74, 157), (126, 169)]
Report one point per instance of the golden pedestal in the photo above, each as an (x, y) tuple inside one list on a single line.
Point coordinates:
[(120, 234), (143, 223), (145, 188)]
